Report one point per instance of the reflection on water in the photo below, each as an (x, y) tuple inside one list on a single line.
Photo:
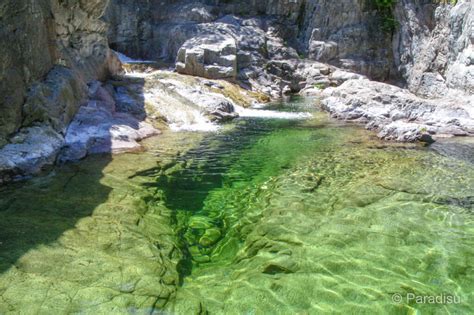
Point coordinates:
[(266, 216)]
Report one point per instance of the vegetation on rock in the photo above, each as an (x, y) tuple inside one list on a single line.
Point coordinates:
[(384, 9)]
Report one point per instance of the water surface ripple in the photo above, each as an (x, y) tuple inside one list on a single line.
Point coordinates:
[(266, 216)]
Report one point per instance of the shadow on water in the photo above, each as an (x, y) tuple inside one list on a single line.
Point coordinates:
[(39, 211)]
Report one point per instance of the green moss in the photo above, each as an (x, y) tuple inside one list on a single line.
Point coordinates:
[(451, 2), (240, 96), (320, 86), (154, 117)]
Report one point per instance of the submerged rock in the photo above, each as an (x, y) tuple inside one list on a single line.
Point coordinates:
[(280, 265), (459, 148), (200, 222), (210, 237)]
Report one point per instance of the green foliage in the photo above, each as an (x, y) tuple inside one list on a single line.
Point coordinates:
[(451, 2), (319, 86), (384, 3), (385, 12), (384, 9)]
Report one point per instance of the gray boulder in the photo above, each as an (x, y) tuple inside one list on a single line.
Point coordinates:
[(212, 57), (99, 128), (185, 101)]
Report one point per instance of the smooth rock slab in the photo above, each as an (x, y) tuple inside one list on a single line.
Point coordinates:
[(97, 128), (397, 113)]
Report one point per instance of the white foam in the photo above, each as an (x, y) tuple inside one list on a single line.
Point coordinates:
[(137, 74), (191, 120), (199, 123)]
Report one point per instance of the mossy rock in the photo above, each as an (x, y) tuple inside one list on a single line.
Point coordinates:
[(200, 223), (210, 237)]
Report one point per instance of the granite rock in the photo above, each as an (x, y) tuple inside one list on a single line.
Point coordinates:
[(398, 114)]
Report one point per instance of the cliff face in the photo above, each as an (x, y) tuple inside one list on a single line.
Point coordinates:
[(343, 33), (434, 53), (49, 50), (347, 34), (433, 46)]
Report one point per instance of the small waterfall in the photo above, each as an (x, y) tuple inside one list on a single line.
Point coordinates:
[(127, 60), (197, 123), (186, 109)]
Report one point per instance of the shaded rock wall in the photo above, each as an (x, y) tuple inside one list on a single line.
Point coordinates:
[(347, 34), (49, 50)]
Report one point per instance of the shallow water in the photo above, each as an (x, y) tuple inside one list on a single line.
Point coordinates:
[(267, 216)]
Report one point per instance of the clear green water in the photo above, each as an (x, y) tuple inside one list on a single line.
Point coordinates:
[(266, 217)]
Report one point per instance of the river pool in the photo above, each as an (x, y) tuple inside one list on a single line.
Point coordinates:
[(272, 214)]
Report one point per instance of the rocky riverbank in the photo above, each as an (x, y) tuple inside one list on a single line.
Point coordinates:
[(72, 99), (433, 50), (397, 114), (427, 54), (120, 112)]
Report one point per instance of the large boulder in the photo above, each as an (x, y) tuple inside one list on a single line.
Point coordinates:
[(213, 57), (103, 126), (190, 103)]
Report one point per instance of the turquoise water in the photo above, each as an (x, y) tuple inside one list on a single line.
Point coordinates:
[(268, 216)]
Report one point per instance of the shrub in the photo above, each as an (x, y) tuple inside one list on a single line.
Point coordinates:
[(384, 9)]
